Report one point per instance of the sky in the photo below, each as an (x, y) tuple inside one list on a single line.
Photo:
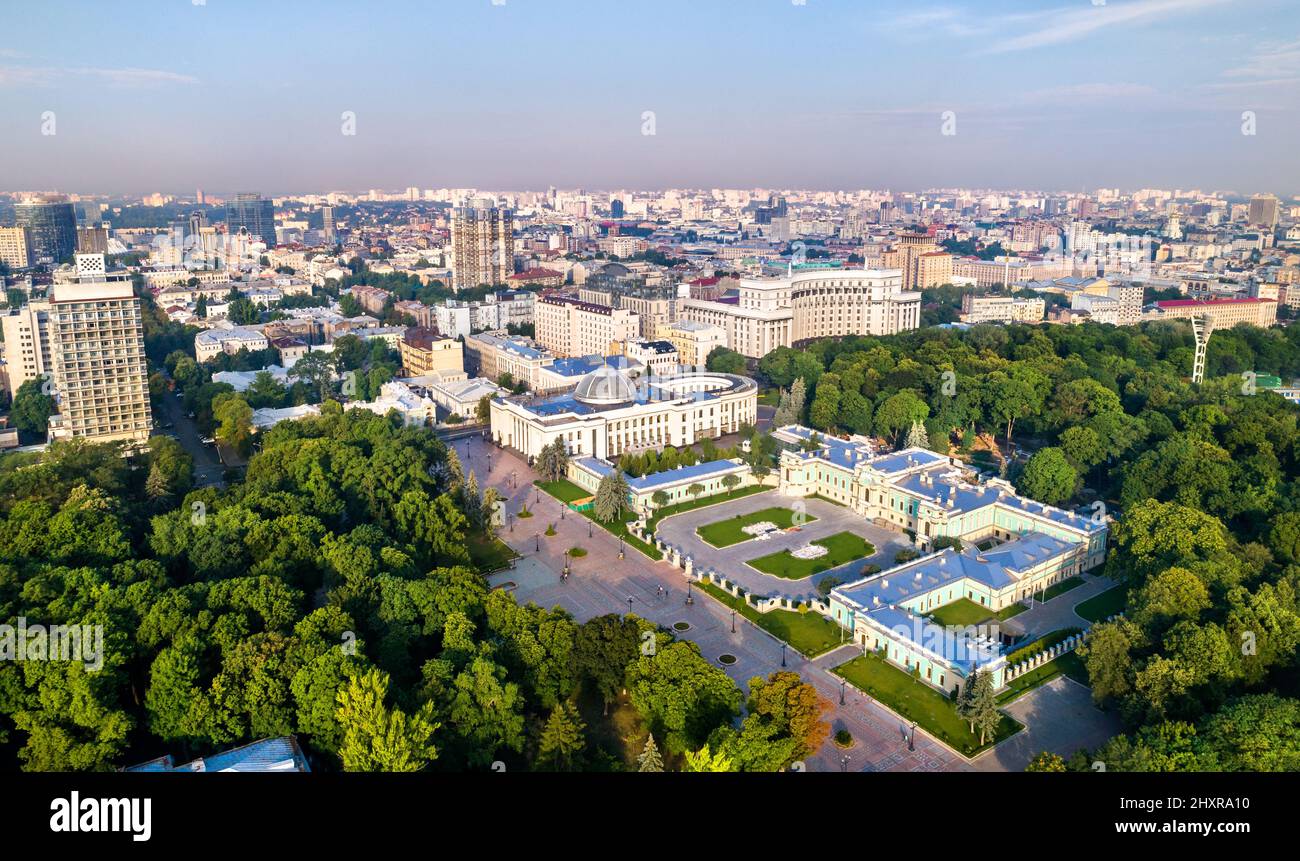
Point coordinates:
[(1057, 95)]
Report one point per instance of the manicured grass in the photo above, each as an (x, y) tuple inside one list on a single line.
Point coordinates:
[(1102, 606), (1068, 664), (916, 701), (1060, 588), (703, 502), (566, 492), (725, 533), (843, 547), (1009, 611), (488, 554), (961, 613), (809, 632)]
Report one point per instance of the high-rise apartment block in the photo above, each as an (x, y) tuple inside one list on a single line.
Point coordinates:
[(483, 244), (87, 341)]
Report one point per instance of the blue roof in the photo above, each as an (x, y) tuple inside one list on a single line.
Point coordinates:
[(601, 468), (267, 755)]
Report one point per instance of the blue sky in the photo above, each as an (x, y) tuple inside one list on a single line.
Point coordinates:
[(1054, 94)]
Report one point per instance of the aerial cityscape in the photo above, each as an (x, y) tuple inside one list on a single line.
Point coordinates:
[(635, 406)]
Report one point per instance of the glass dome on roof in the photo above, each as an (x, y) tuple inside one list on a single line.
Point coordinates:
[(605, 385)]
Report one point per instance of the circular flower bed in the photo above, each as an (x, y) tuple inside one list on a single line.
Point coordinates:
[(577, 552), (681, 626), (727, 660)]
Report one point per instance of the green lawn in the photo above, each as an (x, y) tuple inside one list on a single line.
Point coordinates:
[(961, 613), (1101, 606), (843, 547), (1060, 588), (703, 502), (488, 554), (1068, 664), (916, 701), (566, 491), (725, 533), (807, 632), (1009, 611)]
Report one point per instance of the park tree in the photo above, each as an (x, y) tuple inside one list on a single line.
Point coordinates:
[(649, 758), (917, 437), (603, 647), (377, 737), (1048, 477), (32, 408), (898, 412), (825, 409), (724, 361), (681, 695), (703, 760), (611, 497), (789, 410), (1046, 762), (561, 745)]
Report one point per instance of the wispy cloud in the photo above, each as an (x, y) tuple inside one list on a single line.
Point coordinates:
[(119, 78), (1270, 60), (1023, 31)]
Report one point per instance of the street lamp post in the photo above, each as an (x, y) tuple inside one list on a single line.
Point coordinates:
[(588, 528), (537, 542), (842, 685), (511, 519), (690, 599), (844, 763), (783, 654), (733, 621)]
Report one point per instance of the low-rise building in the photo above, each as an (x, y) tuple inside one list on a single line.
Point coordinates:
[(424, 352)]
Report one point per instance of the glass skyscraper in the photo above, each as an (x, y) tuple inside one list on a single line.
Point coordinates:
[(51, 222), (250, 211)]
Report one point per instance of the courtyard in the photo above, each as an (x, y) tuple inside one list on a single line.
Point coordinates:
[(863, 543)]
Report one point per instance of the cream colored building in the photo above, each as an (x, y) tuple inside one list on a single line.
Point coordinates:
[(423, 352), (1001, 309), (1225, 313), (606, 414), (694, 341), (87, 339), (571, 327), (822, 303), (15, 247)]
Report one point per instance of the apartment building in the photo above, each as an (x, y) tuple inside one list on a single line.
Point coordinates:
[(482, 244), (16, 247), (93, 351), (571, 327), (490, 356)]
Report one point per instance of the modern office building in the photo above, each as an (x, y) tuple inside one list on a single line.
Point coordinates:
[(327, 221), (92, 240), (1264, 211), (606, 414), (253, 215), (51, 223), (482, 243)]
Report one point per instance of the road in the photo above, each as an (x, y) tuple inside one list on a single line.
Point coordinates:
[(208, 469)]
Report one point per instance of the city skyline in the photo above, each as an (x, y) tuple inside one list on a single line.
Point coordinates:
[(1048, 95)]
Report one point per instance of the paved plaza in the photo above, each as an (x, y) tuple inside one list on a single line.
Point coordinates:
[(601, 583), (830, 519)]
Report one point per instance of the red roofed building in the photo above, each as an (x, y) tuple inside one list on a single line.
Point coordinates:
[(538, 276)]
